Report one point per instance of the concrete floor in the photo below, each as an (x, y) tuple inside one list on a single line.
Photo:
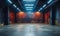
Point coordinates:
[(29, 30)]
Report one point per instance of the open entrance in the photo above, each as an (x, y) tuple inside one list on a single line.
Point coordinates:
[(31, 17), (23, 17)]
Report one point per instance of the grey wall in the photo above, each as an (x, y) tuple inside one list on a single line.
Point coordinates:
[(1, 16)]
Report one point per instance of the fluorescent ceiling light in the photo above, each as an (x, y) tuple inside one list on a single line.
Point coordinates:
[(28, 9), (18, 9), (29, 5), (44, 5), (29, 0), (14, 5), (10, 1), (40, 9), (49, 1)]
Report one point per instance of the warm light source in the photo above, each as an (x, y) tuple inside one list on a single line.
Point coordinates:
[(21, 14), (37, 15), (37, 12), (11, 17)]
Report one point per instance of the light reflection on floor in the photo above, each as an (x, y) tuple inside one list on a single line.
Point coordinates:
[(30, 30)]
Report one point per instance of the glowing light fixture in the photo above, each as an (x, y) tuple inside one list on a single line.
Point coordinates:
[(49, 1), (40, 9), (21, 14), (18, 9), (44, 5), (28, 9), (10, 1), (29, 0), (29, 5), (14, 5), (37, 12)]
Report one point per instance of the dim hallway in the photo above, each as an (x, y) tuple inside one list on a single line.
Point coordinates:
[(29, 17), (30, 30)]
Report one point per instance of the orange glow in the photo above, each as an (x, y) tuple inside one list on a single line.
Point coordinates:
[(47, 15), (21, 14), (37, 15), (11, 16)]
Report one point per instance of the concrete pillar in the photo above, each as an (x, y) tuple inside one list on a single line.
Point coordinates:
[(15, 17), (43, 17), (53, 15), (5, 13)]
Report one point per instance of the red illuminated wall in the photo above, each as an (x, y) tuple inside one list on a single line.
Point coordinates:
[(37, 15), (47, 17), (21, 15), (11, 16)]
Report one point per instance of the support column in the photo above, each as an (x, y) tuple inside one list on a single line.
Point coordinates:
[(43, 17), (5, 13), (53, 15), (15, 17)]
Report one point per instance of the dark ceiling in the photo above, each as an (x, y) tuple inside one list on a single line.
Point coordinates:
[(40, 3)]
